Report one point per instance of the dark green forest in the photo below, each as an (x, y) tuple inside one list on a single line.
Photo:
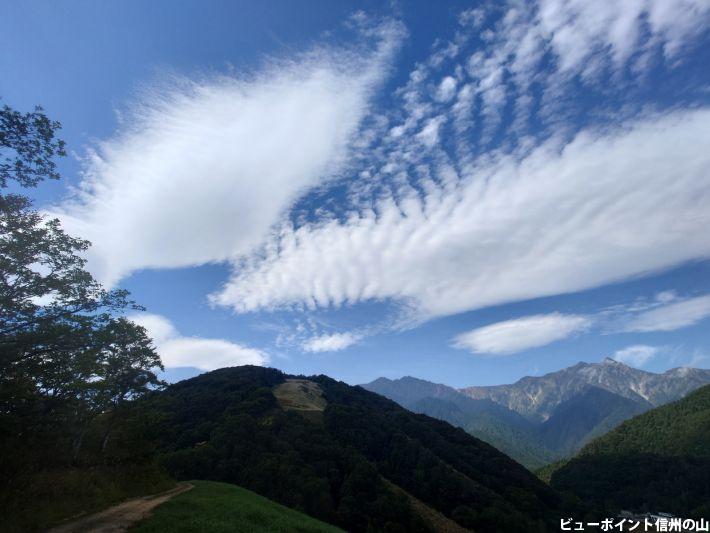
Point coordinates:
[(680, 428), (659, 460)]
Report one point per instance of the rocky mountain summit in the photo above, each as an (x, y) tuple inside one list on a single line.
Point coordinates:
[(537, 397)]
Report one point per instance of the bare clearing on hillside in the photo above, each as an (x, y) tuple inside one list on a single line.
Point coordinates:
[(300, 395)]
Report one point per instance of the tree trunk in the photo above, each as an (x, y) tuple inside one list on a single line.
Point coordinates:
[(76, 445), (107, 434)]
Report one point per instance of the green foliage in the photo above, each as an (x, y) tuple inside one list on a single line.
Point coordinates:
[(545, 472), (657, 461), (485, 419), (679, 428), (28, 147), (69, 362), (638, 481), (228, 426), (213, 507)]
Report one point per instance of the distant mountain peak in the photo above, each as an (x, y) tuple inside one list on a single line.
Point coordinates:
[(537, 397), (683, 371), (540, 418)]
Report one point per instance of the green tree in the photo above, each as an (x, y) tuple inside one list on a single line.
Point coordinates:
[(125, 370), (28, 147), (67, 357)]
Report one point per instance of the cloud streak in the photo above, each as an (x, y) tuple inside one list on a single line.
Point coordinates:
[(203, 168), (517, 335), (331, 343), (670, 317)]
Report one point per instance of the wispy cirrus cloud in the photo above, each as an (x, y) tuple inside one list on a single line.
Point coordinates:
[(670, 316), (578, 31), (666, 311), (516, 335), (202, 168), (177, 350)]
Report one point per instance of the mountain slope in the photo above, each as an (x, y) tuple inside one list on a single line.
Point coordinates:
[(537, 397), (519, 442), (659, 460), (484, 419), (541, 419), (336, 452), (591, 413), (678, 428)]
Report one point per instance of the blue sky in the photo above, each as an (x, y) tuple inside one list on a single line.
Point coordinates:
[(464, 192)]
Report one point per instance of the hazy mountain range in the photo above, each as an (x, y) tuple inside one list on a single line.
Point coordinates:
[(540, 419)]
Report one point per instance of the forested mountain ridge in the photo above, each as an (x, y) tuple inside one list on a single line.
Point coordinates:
[(493, 423), (657, 461), (579, 419), (336, 464), (540, 419), (678, 428)]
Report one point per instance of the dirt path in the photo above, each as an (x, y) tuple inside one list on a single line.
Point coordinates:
[(120, 517)]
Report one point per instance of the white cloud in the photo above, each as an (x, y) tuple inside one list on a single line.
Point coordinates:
[(665, 297), (637, 355), (446, 89), (429, 135), (672, 316), (560, 43), (177, 350), (159, 328), (330, 343), (565, 218), (510, 336), (202, 169), (578, 29)]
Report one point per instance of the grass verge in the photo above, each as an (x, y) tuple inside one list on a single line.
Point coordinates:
[(213, 507)]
